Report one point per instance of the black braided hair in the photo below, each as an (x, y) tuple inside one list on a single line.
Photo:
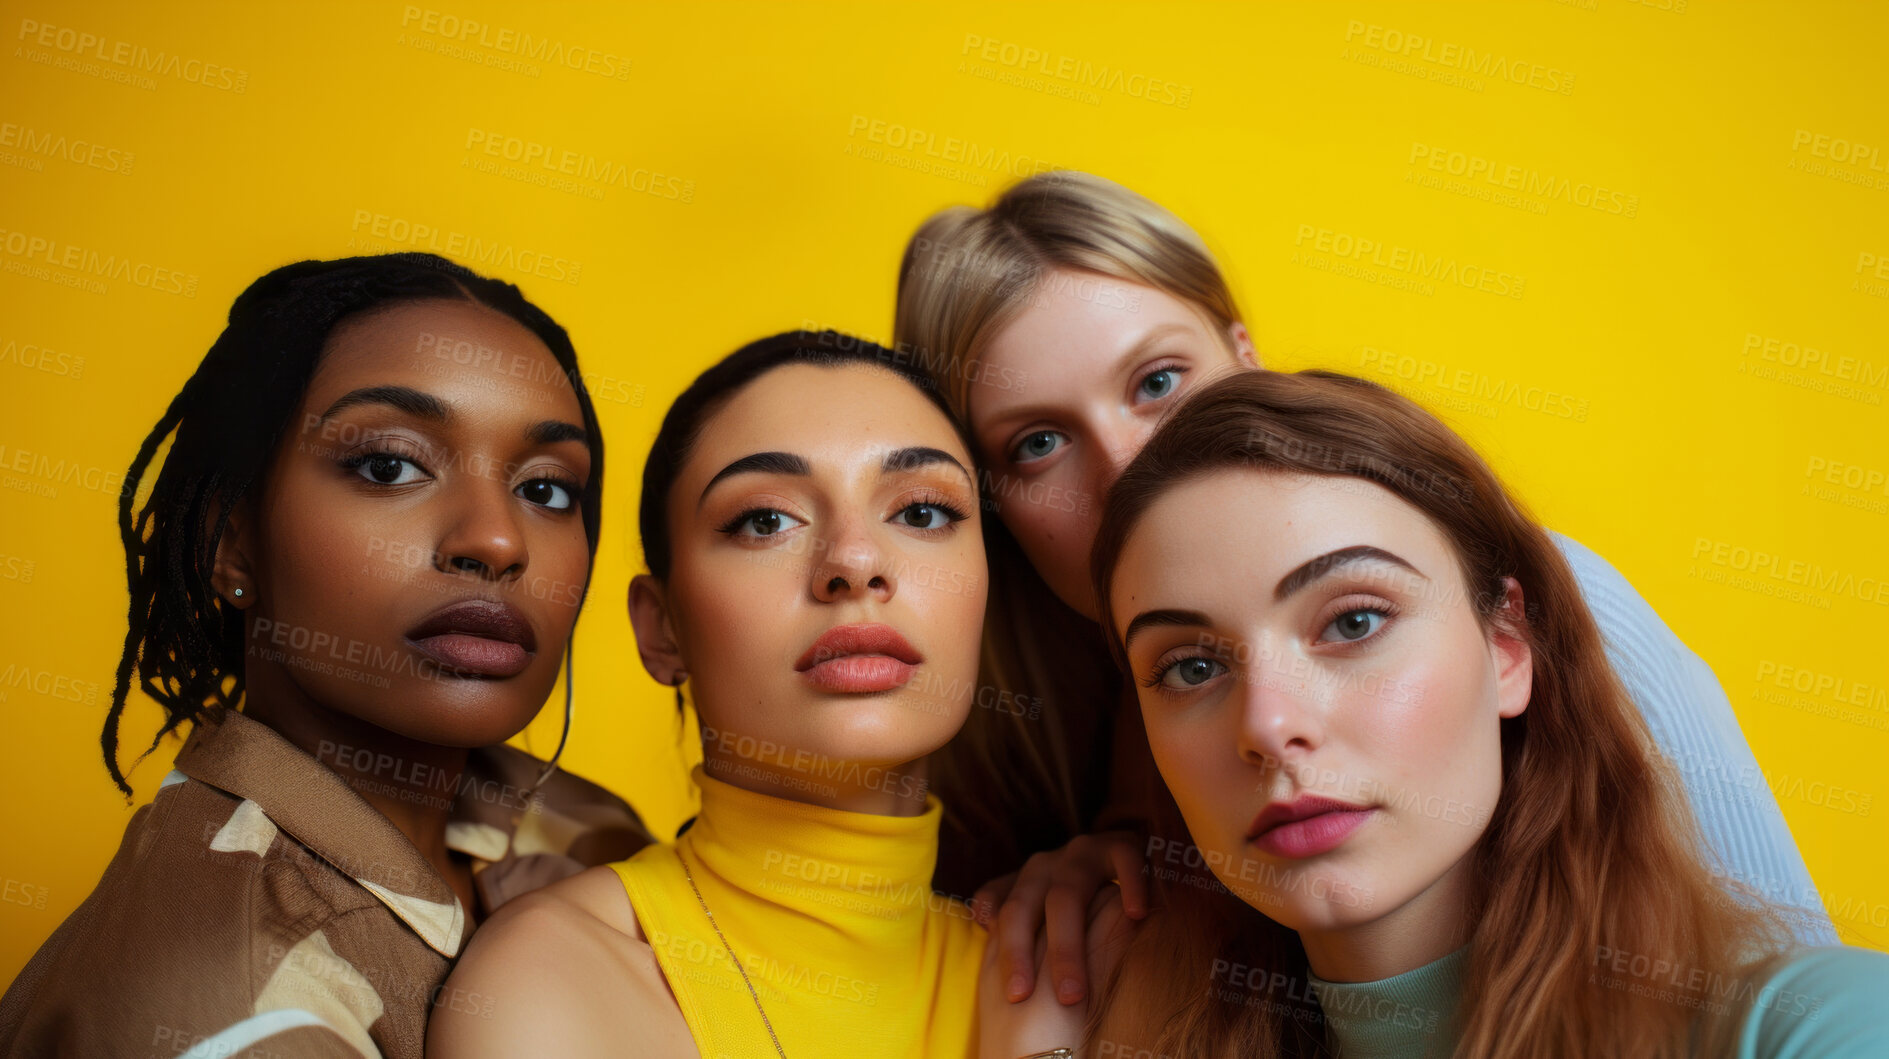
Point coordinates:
[(184, 641)]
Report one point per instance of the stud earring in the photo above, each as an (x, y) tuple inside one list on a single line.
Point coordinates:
[(237, 592)]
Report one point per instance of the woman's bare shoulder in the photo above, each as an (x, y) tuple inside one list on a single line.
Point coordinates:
[(563, 970)]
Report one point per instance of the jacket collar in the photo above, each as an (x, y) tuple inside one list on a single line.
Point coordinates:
[(317, 808)]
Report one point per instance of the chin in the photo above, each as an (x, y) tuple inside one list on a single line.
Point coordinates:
[(486, 717), (1309, 897), (885, 730)]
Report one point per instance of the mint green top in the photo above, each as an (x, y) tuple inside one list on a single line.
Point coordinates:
[(1828, 1003)]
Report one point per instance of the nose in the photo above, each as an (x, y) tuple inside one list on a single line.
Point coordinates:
[(484, 536), (1280, 720), (852, 564), (1117, 444)]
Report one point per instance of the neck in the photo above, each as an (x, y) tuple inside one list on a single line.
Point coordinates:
[(1424, 929), (411, 783), (815, 779)]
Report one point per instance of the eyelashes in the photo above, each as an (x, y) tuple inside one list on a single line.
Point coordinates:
[(772, 521), (389, 467), (1358, 622)]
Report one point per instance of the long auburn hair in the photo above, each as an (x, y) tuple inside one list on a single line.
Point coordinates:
[(966, 274), (1591, 849)]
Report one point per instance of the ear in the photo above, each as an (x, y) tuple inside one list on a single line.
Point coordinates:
[(1514, 660), (232, 573), (1243, 344), (655, 632)]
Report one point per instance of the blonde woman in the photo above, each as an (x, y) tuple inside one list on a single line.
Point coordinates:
[(1061, 324)]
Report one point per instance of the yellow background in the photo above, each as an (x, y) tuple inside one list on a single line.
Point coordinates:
[(1730, 127)]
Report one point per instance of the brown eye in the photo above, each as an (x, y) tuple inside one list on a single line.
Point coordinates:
[(925, 516), (548, 493), (384, 468), (760, 522)]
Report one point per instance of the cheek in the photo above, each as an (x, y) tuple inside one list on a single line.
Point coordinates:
[(560, 564), (731, 595), (324, 551), (1053, 516), (1431, 721), (1201, 769)]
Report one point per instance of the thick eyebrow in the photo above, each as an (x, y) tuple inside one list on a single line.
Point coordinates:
[(426, 406), (1332, 562), (1150, 618), (405, 398), (552, 431), (1127, 360), (760, 463), (915, 456)]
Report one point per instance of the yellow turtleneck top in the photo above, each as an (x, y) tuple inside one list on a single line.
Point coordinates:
[(832, 915)]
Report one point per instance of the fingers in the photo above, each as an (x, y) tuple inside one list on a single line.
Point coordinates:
[(1129, 863), (1017, 923), (1054, 891), (990, 897), (1066, 919)]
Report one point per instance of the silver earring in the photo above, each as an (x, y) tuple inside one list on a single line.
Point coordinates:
[(552, 765), (237, 592)]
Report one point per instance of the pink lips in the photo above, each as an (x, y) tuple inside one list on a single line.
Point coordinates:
[(1306, 826), (859, 659), (476, 638)]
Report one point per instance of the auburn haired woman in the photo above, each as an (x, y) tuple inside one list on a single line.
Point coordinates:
[(353, 578), (1388, 721)]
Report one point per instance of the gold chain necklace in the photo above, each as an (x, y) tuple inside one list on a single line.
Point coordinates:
[(686, 874)]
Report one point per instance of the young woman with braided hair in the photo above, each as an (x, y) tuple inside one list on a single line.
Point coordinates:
[(354, 577)]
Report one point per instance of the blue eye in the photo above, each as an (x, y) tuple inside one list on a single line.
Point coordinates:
[(549, 493), (928, 516), (385, 468), (1158, 384), (761, 522), (1188, 673), (1353, 625), (1036, 445)]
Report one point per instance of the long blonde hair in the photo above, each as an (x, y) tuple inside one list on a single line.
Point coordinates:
[(1591, 852), (1017, 782)]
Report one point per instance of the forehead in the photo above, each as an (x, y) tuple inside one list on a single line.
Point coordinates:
[(842, 415), (1070, 331), (473, 357), (1221, 531)]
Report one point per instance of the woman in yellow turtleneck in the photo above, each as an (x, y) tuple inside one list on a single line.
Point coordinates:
[(818, 577)]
